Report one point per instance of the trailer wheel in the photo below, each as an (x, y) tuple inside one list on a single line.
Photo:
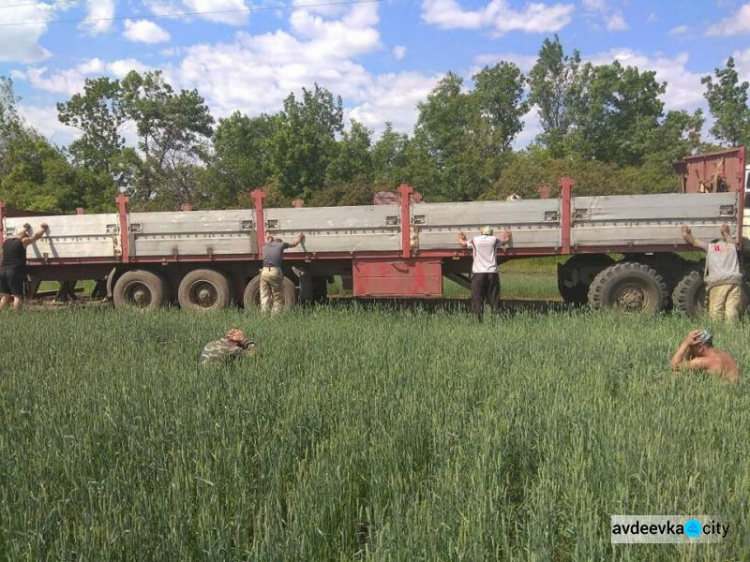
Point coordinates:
[(689, 296), (204, 289), (251, 298), (140, 289), (629, 287), (582, 268)]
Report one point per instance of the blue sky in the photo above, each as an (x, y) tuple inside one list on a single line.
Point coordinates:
[(381, 57)]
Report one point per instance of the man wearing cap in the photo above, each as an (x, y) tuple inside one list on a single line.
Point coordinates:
[(272, 276), (13, 265), (234, 344), (697, 353), (723, 276), (485, 282)]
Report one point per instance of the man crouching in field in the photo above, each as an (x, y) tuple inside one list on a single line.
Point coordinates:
[(697, 353), (234, 344)]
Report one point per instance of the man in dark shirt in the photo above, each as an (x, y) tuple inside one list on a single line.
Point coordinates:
[(13, 265), (272, 276), (234, 344)]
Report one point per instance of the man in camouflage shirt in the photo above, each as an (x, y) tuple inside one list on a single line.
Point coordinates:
[(234, 344)]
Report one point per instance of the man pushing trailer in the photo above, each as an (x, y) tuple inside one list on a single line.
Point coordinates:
[(485, 281), (272, 275), (13, 268), (723, 276)]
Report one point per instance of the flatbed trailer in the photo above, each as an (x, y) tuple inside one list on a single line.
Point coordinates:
[(210, 259)]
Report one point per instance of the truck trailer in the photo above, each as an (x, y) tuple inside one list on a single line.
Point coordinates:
[(624, 251)]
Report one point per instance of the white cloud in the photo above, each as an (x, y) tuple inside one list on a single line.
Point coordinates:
[(99, 14), (613, 19), (741, 64), (44, 119), (72, 80), (616, 22), (230, 12), (534, 18), (394, 98), (144, 31), (733, 25), (652, 17), (120, 68), (399, 52), (679, 30), (20, 43)]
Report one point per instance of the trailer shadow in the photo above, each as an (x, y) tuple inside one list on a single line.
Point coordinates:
[(447, 305)]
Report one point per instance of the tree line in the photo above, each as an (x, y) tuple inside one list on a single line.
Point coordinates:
[(605, 125)]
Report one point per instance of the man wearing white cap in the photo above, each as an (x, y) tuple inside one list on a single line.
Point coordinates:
[(697, 353), (485, 282)]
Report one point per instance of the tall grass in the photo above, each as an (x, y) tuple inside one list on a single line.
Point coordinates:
[(378, 434)]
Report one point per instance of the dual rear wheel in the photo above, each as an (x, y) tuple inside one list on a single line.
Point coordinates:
[(200, 289)]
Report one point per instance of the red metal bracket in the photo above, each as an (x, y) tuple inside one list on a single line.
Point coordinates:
[(260, 224), (122, 211), (405, 190), (298, 203), (566, 192), (741, 204), (80, 211)]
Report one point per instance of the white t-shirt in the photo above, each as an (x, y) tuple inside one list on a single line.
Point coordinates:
[(722, 264), (485, 253)]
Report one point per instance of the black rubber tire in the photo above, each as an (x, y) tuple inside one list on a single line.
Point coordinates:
[(689, 295), (578, 293), (251, 297), (629, 287), (140, 288), (204, 289)]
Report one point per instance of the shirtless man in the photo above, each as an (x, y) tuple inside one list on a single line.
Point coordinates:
[(697, 353)]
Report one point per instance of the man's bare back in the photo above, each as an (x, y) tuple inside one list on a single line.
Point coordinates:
[(697, 353)]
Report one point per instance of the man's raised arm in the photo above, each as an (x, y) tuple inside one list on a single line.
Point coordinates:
[(690, 239), (36, 236)]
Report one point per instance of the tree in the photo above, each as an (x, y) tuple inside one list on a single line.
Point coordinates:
[(551, 83), (613, 111), (304, 141), (727, 101), (389, 158), (241, 159), (353, 158), (173, 130), (466, 134)]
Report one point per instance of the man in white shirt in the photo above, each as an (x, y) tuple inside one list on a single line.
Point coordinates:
[(723, 276), (485, 282)]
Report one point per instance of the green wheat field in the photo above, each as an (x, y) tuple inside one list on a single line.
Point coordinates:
[(362, 433)]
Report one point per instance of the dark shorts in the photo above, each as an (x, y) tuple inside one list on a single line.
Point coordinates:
[(12, 282)]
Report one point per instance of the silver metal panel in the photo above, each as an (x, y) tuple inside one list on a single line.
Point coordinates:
[(534, 223), (193, 233), (73, 236), (338, 229), (642, 220), (662, 207)]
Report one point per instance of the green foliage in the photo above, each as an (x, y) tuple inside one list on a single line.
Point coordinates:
[(241, 161), (727, 100), (304, 141), (389, 157), (551, 83), (529, 169), (461, 138), (173, 129), (353, 435), (354, 155)]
